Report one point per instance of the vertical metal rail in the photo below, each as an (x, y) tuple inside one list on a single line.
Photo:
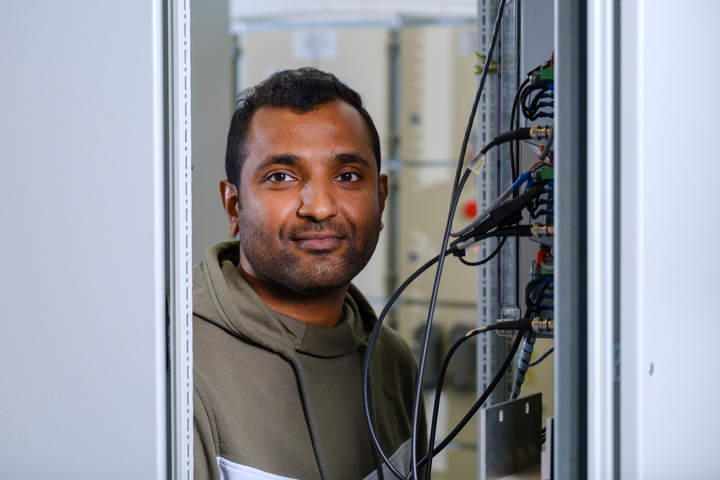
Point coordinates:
[(180, 240), (603, 237), (490, 348), (509, 276), (570, 240)]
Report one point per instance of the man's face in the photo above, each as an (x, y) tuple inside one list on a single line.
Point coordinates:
[(311, 198)]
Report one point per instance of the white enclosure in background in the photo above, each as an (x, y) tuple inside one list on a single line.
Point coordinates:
[(82, 221)]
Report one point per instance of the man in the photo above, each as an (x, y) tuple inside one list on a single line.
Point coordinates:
[(279, 332)]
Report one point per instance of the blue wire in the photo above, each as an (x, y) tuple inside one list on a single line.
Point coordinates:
[(524, 177)]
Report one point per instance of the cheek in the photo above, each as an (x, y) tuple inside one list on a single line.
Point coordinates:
[(269, 212), (362, 210)]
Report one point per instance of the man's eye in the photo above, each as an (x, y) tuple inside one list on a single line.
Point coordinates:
[(280, 177), (348, 177)]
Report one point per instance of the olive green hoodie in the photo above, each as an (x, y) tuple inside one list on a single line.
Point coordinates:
[(277, 398)]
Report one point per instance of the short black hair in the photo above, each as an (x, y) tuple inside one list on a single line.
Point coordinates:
[(302, 91)]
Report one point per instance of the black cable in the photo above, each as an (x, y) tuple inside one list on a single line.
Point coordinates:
[(532, 111), (535, 103), (457, 186), (542, 357), (473, 110), (368, 351), (539, 285), (376, 330), (486, 259), (515, 168), (543, 289), (529, 288), (504, 232), (502, 138), (507, 213), (473, 410), (426, 340), (441, 379)]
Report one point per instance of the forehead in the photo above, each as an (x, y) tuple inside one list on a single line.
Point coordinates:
[(328, 130)]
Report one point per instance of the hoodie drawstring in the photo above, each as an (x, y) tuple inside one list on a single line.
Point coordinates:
[(371, 401), (310, 418)]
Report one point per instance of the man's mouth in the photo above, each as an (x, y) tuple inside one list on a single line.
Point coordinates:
[(320, 240)]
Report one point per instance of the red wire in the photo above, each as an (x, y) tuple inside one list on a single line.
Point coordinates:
[(540, 164)]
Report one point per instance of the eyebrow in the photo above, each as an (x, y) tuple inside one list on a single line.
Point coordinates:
[(287, 159), (282, 159), (345, 158)]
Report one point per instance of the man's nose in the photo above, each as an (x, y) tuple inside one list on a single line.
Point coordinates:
[(317, 201)]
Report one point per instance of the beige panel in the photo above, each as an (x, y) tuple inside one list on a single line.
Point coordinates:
[(425, 199), (437, 91), (365, 9), (362, 63)]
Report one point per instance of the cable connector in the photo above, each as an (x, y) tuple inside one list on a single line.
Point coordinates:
[(540, 133), (543, 325), (509, 327), (539, 231)]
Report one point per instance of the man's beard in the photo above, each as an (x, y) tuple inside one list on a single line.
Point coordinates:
[(272, 258)]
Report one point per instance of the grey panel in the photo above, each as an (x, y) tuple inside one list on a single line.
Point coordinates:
[(510, 437), (212, 108), (82, 327), (570, 241)]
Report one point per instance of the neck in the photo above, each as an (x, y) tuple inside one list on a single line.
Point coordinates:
[(322, 309)]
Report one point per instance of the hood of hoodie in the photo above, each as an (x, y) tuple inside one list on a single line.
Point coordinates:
[(223, 297)]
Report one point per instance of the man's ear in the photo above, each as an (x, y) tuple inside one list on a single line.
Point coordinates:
[(229, 196), (383, 193)]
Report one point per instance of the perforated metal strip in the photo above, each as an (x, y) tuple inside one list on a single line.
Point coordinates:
[(180, 165), (487, 192)]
